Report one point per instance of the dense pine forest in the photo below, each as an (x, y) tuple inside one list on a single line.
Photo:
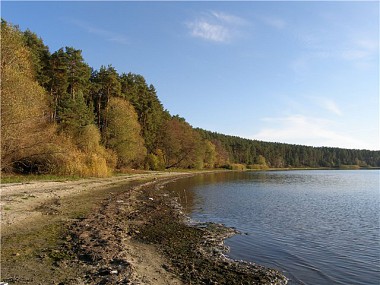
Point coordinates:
[(59, 115)]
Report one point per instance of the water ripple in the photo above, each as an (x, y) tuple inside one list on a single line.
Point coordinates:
[(319, 227)]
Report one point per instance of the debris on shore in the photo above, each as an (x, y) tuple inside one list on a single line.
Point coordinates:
[(195, 254)]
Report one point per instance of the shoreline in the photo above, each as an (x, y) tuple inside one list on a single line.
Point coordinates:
[(200, 256), (135, 232)]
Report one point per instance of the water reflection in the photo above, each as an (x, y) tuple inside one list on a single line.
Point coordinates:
[(183, 189)]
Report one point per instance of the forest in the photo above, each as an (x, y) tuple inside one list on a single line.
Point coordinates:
[(61, 116)]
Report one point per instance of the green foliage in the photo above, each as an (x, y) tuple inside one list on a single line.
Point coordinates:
[(74, 114), (221, 156), (60, 116), (40, 56), (210, 154), (123, 134), (17, 178), (105, 85), (249, 152), (342, 166), (150, 112), (260, 163), (261, 160), (181, 144), (257, 166), (69, 77), (88, 139), (155, 161), (78, 72)]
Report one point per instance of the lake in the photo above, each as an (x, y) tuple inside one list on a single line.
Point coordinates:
[(317, 227)]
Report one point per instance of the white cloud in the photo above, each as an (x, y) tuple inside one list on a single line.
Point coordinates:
[(368, 44), (331, 106), (106, 34), (228, 18), (299, 129), (208, 31), (361, 52), (274, 22), (354, 54), (118, 39), (327, 104), (216, 26)]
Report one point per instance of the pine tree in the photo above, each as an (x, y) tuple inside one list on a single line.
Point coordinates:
[(151, 114), (106, 85)]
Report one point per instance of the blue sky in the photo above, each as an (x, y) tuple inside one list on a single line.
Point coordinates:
[(294, 72)]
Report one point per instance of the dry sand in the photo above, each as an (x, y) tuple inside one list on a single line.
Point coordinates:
[(28, 209)]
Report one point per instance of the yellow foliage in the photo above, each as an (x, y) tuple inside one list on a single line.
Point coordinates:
[(258, 166), (238, 166), (155, 161), (123, 134), (25, 132), (71, 160), (88, 139), (210, 155)]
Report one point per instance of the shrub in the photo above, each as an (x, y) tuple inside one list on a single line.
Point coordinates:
[(237, 166), (257, 166)]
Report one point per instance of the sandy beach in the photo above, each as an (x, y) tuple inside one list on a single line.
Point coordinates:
[(119, 230)]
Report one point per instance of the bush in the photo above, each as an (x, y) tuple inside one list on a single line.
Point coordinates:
[(88, 139), (238, 166), (155, 161), (69, 159), (258, 166)]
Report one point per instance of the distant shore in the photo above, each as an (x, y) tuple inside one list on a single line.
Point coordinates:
[(109, 230)]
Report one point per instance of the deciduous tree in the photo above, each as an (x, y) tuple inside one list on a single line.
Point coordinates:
[(123, 134), (181, 144), (25, 132)]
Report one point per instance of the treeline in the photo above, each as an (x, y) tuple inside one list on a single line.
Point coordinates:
[(259, 154), (59, 115)]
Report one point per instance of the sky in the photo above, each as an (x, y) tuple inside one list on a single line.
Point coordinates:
[(294, 72)]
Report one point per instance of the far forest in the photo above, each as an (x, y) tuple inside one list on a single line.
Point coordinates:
[(60, 116)]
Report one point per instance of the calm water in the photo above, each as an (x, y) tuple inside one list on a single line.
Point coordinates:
[(318, 227)]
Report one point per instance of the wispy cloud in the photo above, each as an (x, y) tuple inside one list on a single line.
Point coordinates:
[(327, 104), (363, 53), (274, 22), (216, 26), (228, 18), (360, 52), (207, 31), (331, 106), (300, 129), (105, 34)]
